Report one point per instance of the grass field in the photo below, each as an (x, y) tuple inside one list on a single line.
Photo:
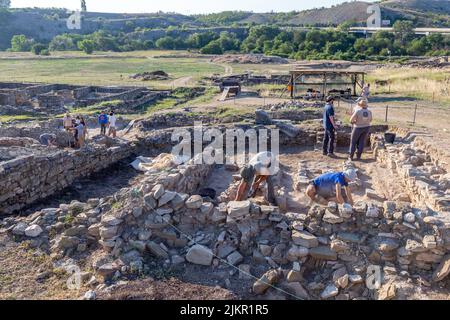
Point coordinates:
[(430, 85), (101, 69)]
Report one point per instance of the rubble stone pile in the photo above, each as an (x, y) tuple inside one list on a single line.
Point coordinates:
[(327, 252)]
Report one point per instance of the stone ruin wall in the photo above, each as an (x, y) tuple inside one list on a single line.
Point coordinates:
[(417, 166), (25, 179), (28, 178)]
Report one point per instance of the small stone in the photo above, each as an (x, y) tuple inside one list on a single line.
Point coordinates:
[(297, 290), (346, 210), (107, 270), (429, 242), (33, 231), (90, 295), (265, 250), (199, 254), (372, 212), (332, 207), (176, 259), (329, 292), (158, 191), (137, 212), (238, 209), (387, 291), (387, 244), (294, 276), (235, 258), (270, 278), (194, 202), (19, 229), (355, 278), (156, 250), (442, 270), (166, 197), (305, 239), (409, 217), (332, 218), (323, 253)]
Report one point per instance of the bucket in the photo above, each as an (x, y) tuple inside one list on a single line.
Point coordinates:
[(389, 137)]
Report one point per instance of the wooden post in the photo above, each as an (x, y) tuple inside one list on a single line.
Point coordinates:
[(292, 86), (433, 96), (386, 116), (415, 113)]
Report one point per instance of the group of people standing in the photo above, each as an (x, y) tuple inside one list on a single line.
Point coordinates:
[(77, 126), (361, 120), (108, 121)]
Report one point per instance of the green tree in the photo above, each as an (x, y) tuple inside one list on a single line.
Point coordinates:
[(20, 43), (83, 6), (38, 48), (63, 42), (167, 43), (86, 45), (403, 30), (212, 48)]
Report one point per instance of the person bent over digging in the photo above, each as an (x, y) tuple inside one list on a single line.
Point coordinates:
[(257, 171), (330, 185)]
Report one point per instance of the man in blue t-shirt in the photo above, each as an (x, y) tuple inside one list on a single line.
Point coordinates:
[(329, 186), (103, 121), (330, 127)]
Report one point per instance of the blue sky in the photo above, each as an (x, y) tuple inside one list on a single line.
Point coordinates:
[(181, 6)]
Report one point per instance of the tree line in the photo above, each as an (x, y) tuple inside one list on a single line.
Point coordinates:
[(267, 39)]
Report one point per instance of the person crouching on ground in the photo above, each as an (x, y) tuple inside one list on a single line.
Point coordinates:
[(361, 120), (330, 185), (330, 127), (103, 121), (48, 139), (112, 124), (260, 169)]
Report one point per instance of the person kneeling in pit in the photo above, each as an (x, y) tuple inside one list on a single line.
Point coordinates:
[(330, 185), (260, 169)]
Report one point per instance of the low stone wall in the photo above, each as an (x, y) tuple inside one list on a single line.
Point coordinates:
[(24, 180), (424, 180)]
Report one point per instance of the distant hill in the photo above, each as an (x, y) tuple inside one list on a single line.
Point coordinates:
[(44, 24)]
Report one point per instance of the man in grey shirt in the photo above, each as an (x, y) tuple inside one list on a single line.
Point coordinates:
[(361, 120)]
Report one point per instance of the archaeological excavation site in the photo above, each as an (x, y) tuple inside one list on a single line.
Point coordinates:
[(124, 218)]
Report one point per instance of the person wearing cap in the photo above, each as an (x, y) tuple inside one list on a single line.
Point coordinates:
[(330, 185), (330, 127), (366, 91), (259, 169), (361, 120)]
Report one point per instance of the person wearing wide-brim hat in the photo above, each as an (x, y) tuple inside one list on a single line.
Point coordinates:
[(361, 120)]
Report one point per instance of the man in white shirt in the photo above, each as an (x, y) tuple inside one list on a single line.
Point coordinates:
[(259, 169), (112, 124)]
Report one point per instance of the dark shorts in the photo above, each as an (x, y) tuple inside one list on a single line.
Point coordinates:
[(326, 192), (248, 173)]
